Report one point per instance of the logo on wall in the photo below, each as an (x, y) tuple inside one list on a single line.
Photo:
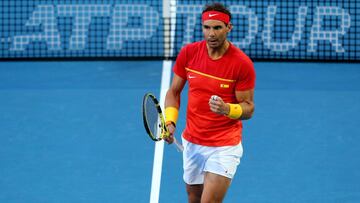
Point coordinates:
[(311, 25)]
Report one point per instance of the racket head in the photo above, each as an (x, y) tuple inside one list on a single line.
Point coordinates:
[(153, 118)]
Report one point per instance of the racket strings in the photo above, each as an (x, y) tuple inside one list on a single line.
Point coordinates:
[(152, 118)]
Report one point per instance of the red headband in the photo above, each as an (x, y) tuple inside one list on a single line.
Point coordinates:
[(216, 15)]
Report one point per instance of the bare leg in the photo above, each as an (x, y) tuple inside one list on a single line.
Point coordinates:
[(215, 187), (194, 193)]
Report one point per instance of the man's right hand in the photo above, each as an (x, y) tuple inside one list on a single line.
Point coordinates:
[(171, 128)]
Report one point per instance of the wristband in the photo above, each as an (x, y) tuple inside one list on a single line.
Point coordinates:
[(235, 111), (171, 115)]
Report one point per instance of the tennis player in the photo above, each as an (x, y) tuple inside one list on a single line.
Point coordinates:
[(221, 93)]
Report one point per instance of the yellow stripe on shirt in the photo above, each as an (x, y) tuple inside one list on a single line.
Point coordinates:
[(210, 76)]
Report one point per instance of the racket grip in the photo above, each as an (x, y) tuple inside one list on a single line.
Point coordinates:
[(178, 146)]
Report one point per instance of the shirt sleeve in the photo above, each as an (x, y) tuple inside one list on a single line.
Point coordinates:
[(246, 80), (180, 64)]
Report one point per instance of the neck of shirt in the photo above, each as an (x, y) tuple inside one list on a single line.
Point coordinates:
[(217, 53)]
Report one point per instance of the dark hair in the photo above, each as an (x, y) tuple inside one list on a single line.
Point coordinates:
[(217, 7)]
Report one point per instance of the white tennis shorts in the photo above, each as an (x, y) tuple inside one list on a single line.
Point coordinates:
[(199, 159)]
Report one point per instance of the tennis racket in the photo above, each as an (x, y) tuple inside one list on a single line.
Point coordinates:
[(154, 121)]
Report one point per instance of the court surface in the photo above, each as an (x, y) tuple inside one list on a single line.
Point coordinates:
[(72, 132)]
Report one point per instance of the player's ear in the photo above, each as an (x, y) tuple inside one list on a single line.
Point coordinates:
[(229, 26)]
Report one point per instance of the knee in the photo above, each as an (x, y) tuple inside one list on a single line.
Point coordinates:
[(194, 193), (205, 199)]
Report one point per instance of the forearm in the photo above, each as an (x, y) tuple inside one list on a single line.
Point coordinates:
[(172, 104), (172, 99), (248, 108), (243, 109), (246, 101)]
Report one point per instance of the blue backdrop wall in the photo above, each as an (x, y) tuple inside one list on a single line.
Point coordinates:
[(310, 29)]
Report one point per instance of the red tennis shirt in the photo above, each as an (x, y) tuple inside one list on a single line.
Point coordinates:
[(234, 71)]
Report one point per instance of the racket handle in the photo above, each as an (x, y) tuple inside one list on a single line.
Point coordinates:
[(178, 146)]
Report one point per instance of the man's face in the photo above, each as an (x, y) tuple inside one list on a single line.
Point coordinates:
[(215, 32)]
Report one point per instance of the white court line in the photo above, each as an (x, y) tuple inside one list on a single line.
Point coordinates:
[(159, 146), (168, 14)]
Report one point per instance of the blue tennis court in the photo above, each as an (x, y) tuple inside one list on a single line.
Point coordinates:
[(73, 75), (71, 131)]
